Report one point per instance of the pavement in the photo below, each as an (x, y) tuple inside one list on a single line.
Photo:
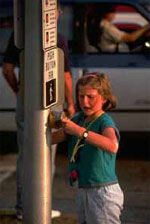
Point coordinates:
[(134, 178)]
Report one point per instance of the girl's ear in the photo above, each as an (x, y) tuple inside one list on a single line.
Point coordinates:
[(104, 100)]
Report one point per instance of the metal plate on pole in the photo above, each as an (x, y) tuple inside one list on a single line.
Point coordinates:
[(49, 4), (50, 77), (49, 23), (50, 64)]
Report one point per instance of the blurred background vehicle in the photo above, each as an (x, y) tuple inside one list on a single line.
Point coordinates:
[(128, 70), (7, 98)]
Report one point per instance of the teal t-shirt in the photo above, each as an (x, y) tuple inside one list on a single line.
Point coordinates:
[(95, 167)]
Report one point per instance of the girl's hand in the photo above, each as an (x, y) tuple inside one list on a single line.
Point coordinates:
[(71, 128)]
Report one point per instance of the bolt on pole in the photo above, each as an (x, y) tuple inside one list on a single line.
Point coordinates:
[(37, 167)]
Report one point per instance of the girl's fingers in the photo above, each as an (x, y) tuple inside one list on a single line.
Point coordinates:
[(64, 120)]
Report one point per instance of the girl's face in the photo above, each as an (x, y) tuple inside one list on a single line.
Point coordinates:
[(90, 100)]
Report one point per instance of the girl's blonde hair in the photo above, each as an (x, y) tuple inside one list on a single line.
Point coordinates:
[(102, 84)]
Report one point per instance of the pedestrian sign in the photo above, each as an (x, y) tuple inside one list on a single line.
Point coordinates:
[(49, 23), (50, 64), (50, 77)]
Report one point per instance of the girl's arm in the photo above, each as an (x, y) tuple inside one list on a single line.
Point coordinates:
[(107, 140)]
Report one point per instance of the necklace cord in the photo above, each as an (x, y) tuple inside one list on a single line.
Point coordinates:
[(77, 146)]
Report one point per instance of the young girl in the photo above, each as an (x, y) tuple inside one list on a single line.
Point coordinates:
[(93, 143)]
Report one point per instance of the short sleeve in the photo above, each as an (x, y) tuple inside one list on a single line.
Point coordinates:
[(12, 52), (115, 33), (112, 31), (106, 122)]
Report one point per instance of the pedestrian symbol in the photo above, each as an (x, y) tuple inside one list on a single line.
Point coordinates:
[(50, 92)]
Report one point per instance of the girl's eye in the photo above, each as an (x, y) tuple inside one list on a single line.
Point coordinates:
[(88, 96), (91, 97)]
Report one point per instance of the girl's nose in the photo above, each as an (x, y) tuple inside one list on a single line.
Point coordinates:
[(85, 101)]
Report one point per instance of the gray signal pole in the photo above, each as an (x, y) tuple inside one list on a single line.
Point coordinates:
[(37, 178)]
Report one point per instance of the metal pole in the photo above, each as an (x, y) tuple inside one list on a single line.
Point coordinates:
[(37, 176)]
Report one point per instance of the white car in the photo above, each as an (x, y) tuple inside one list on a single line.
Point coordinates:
[(129, 71)]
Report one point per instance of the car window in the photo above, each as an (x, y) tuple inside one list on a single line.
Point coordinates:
[(66, 18), (147, 7), (82, 25)]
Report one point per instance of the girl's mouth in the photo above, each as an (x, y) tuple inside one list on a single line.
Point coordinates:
[(86, 108)]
